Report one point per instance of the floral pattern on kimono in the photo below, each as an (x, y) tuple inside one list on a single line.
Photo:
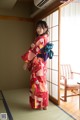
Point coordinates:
[(38, 86)]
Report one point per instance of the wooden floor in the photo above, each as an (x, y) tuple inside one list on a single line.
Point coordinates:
[(71, 106)]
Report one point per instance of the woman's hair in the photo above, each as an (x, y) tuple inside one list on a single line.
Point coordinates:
[(43, 24)]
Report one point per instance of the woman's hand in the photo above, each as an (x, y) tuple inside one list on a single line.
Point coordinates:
[(32, 45), (25, 65)]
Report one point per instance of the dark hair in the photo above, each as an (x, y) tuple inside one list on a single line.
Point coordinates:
[(43, 24)]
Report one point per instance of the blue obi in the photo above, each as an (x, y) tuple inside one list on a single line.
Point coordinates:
[(46, 52)]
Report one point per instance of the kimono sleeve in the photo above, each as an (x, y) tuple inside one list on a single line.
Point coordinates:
[(34, 50)]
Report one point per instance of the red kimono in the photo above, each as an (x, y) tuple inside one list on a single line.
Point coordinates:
[(38, 87)]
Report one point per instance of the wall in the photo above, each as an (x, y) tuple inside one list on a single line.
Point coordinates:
[(15, 39)]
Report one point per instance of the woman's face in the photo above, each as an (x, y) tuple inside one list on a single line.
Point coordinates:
[(39, 30)]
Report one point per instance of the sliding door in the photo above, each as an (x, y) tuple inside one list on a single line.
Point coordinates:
[(53, 64)]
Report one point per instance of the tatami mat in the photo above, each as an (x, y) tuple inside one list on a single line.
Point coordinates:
[(0, 96), (3, 112), (18, 104), (2, 107)]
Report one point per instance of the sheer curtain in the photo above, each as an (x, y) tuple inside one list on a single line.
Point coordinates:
[(70, 35)]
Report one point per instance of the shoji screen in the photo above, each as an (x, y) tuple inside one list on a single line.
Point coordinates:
[(52, 65)]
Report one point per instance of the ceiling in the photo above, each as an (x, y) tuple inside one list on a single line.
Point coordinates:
[(29, 1), (12, 4), (9, 4)]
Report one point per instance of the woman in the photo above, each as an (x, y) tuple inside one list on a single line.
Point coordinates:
[(35, 62)]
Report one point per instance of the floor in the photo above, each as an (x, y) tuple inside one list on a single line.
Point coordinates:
[(2, 108), (17, 101), (71, 106)]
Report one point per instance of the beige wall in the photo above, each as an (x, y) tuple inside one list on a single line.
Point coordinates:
[(15, 39)]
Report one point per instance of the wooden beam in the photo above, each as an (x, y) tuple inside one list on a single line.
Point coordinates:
[(16, 18)]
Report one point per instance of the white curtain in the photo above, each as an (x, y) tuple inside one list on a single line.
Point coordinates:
[(70, 35)]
